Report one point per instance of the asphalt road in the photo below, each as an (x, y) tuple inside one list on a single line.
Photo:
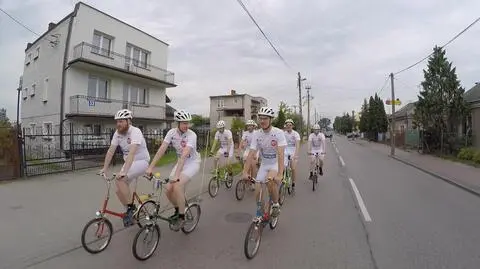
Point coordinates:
[(368, 212)]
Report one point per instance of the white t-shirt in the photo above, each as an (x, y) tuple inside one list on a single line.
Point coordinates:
[(224, 137), (317, 142), (248, 136), (132, 137), (179, 141), (267, 143), (292, 138)]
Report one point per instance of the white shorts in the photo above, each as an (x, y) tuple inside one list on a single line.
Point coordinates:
[(222, 151), (136, 170), (320, 155), (190, 169), (263, 171), (286, 154)]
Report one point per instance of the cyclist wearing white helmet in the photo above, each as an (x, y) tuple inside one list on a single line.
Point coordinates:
[(247, 137), (184, 141), (293, 147), (270, 141), (316, 144), (225, 137), (136, 157)]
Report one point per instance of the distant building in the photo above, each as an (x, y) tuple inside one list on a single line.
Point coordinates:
[(233, 105), (3, 114)]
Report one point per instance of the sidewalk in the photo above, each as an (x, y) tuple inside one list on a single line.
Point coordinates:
[(461, 175), (45, 215)]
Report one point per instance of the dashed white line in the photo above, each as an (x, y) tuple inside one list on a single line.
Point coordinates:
[(341, 160), (336, 149), (363, 208)]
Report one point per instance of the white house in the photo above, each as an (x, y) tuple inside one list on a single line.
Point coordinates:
[(88, 66)]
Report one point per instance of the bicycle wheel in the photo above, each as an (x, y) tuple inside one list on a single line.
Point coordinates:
[(103, 230), (252, 240), (273, 223), (281, 194), (148, 234), (213, 187), (314, 181), (228, 181), (192, 216), (147, 208), (240, 190)]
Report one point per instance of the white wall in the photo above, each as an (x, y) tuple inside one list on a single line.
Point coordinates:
[(48, 65), (88, 20)]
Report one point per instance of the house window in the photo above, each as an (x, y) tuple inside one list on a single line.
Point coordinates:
[(32, 90), (135, 94), (32, 128), (37, 53), (24, 93), (97, 87), (29, 59), (45, 90), (47, 129), (221, 103), (138, 56), (102, 44)]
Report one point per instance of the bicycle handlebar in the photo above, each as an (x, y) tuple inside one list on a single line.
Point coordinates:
[(107, 178), (164, 181)]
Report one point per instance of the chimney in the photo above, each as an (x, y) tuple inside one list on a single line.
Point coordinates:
[(51, 26), (233, 92), (29, 45)]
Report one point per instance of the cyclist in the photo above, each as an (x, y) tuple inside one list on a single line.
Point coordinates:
[(184, 141), (270, 141), (246, 142), (136, 157), (226, 144), (316, 144), (292, 148)]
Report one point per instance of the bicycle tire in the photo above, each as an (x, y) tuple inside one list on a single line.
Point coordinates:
[(147, 228), (228, 181), (240, 186), (85, 245), (213, 181), (191, 208), (273, 223), (281, 194), (140, 219), (254, 227), (314, 182)]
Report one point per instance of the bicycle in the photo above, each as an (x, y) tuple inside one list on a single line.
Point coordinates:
[(316, 171), (218, 177), (286, 182), (102, 223), (151, 230), (261, 219), (241, 185)]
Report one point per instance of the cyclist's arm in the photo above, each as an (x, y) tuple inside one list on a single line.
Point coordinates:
[(159, 154), (297, 146), (324, 142), (309, 145), (281, 158), (230, 141), (191, 144), (215, 141), (109, 156), (251, 154)]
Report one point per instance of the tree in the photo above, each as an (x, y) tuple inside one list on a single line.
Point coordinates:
[(198, 120), (343, 124), (324, 122), (440, 107), (364, 117), (238, 126), (279, 121)]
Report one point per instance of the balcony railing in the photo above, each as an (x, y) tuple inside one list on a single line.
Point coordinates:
[(85, 105), (116, 60)]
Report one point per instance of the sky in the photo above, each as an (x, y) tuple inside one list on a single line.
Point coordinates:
[(345, 49)]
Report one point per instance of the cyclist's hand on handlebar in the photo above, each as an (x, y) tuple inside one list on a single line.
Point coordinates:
[(102, 173), (121, 175), (149, 172)]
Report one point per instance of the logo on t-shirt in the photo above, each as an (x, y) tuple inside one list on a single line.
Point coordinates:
[(183, 143), (129, 140), (274, 143)]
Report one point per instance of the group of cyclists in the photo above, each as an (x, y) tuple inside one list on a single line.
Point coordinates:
[(270, 147)]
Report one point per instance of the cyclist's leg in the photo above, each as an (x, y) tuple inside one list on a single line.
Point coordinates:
[(312, 163), (293, 164), (273, 189), (136, 170), (229, 160), (177, 189), (321, 159), (254, 167), (261, 178)]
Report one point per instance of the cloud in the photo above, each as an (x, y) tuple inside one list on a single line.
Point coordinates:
[(344, 48)]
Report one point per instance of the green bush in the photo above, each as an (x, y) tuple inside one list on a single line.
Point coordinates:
[(466, 154), (476, 157)]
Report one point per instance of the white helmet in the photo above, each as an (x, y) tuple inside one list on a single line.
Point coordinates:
[(251, 122), (316, 127), (289, 121), (182, 115), (220, 124), (266, 111), (124, 114)]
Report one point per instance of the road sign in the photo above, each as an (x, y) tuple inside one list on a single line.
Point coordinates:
[(396, 102)]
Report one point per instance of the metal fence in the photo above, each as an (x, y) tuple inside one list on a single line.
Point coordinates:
[(44, 154), (9, 153)]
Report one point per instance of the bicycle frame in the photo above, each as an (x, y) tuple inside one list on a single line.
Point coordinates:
[(263, 210), (104, 209)]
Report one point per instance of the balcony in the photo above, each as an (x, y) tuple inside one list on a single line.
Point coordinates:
[(81, 105), (90, 54)]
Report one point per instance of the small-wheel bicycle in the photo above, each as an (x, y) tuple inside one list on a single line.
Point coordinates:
[(219, 177), (102, 226), (150, 232), (262, 218), (286, 185), (316, 171)]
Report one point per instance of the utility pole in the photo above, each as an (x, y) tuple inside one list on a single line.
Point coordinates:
[(392, 124), (300, 102), (308, 108), (316, 120), (295, 108)]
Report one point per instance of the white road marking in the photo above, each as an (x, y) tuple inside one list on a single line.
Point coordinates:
[(336, 149), (341, 160), (363, 208)]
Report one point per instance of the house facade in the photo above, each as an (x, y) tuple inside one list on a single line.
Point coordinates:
[(472, 97), (233, 105), (88, 66)]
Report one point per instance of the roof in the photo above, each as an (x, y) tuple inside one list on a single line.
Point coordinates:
[(228, 95), (473, 95), (402, 112), (75, 11)]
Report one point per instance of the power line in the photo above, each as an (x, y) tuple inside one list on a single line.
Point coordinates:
[(383, 87), (19, 22), (263, 33), (446, 44)]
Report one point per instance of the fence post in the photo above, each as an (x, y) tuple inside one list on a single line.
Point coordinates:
[(72, 149)]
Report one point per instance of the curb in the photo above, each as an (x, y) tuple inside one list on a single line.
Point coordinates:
[(456, 184)]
